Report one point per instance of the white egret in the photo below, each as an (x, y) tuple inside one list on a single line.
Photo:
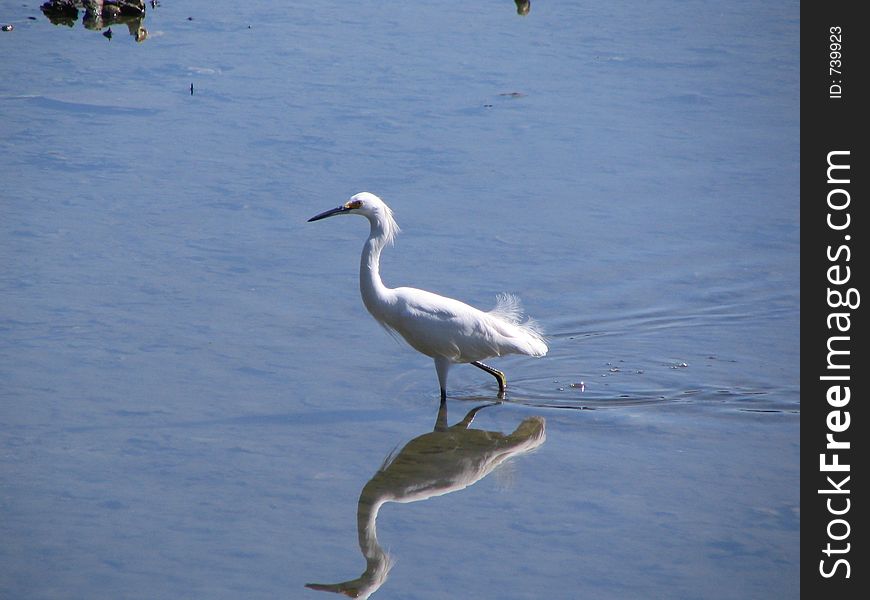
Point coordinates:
[(448, 330)]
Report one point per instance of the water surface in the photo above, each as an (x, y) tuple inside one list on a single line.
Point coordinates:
[(193, 397)]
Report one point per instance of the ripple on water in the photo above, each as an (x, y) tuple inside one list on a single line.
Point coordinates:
[(622, 384), (653, 358), (614, 385)]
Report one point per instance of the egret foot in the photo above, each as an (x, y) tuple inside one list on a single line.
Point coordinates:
[(499, 376)]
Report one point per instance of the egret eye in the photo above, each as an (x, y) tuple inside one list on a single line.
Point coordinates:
[(353, 204)]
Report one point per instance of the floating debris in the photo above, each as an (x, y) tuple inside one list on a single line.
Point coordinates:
[(681, 365), (579, 385), (7, 27)]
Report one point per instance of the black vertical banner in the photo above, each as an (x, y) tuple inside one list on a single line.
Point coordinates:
[(834, 227)]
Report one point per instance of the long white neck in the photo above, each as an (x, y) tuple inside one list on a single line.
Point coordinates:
[(375, 295)]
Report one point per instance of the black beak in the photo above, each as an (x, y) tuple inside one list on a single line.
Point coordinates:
[(333, 211)]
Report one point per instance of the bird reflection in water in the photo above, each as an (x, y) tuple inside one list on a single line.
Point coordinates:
[(446, 460)]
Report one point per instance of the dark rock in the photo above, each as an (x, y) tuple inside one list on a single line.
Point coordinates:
[(99, 14), (61, 12), (127, 7), (66, 12)]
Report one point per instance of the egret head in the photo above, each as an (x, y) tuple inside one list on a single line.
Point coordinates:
[(371, 207)]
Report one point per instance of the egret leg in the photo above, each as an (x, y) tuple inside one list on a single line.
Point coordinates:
[(442, 365), (499, 376)]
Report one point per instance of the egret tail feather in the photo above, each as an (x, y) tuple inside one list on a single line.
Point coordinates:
[(509, 308)]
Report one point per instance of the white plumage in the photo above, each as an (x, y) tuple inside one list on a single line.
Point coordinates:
[(448, 330)]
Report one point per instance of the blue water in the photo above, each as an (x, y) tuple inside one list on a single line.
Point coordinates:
[(193, 398)]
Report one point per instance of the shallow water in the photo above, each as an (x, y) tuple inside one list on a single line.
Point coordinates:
[(193, 397)]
